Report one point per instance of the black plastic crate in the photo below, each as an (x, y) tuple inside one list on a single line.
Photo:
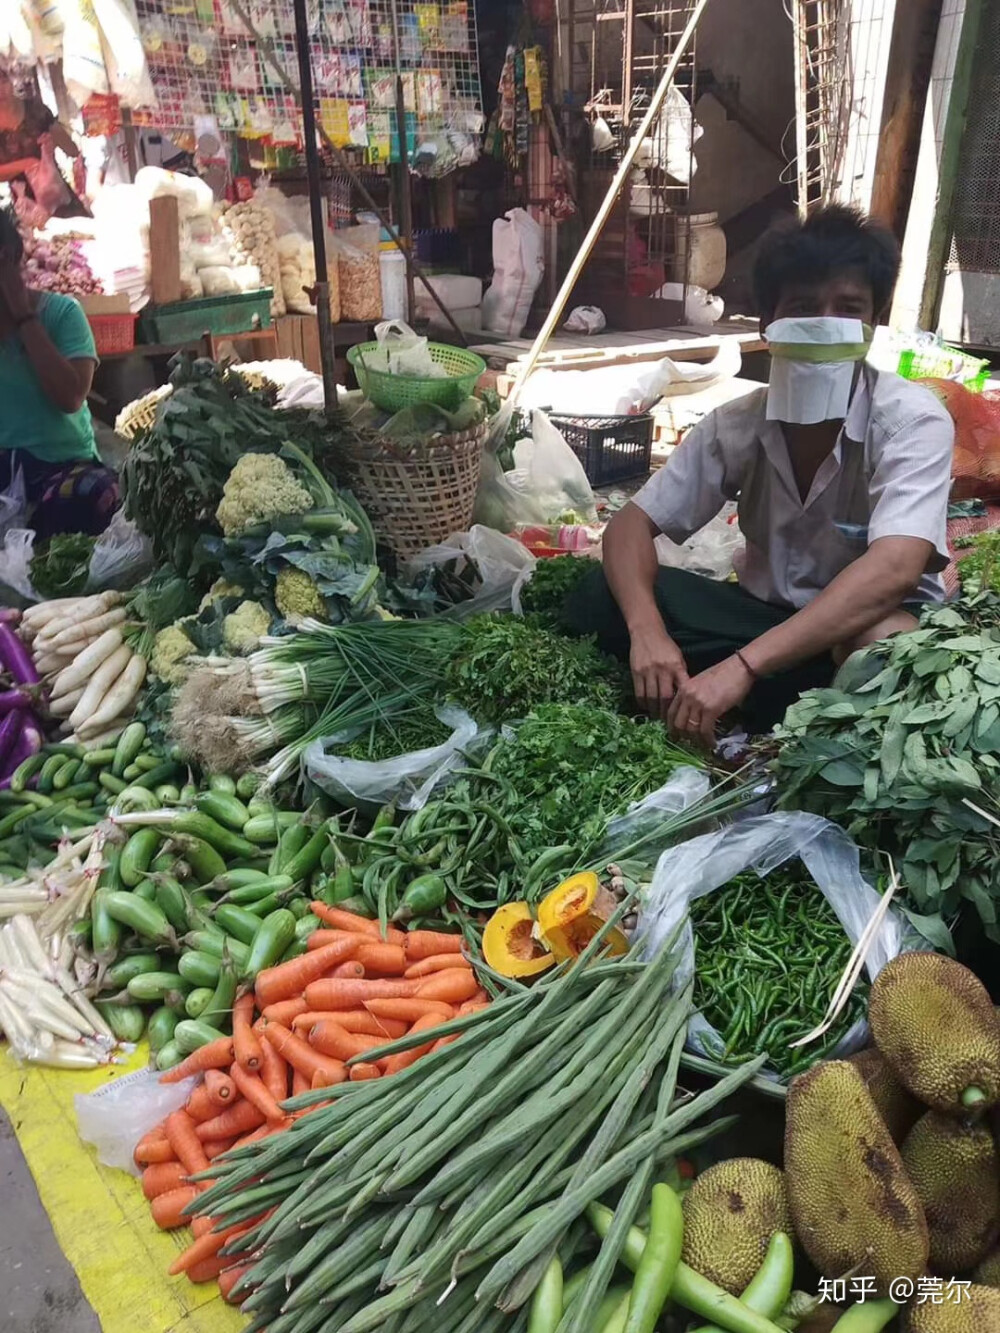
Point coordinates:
[(611, 449)]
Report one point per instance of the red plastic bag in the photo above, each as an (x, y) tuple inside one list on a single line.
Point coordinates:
[(976, 466)]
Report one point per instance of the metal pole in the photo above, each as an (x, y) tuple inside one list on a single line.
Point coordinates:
[(327, 351)]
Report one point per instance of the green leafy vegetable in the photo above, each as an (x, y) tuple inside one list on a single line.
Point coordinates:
[(507, 666), (551, 583), (901, 751), (60, 566)]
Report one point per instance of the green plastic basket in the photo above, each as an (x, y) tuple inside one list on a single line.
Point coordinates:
[(394, 392), (945, 362)]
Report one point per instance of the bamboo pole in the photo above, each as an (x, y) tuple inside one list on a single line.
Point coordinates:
[(604, 212)]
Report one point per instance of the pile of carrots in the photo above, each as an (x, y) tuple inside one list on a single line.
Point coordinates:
[(350, 993)]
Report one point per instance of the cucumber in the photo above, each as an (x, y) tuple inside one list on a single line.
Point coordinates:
[(132, 965), (64, 775), (266, 829), (137, 854), (130, 742), (198, 1001), (131, 799), (247, 785), (170, 898), (169, 1055), (274, 935), (226, 810), (307, 859), (291, 842), (161, 1026), (237, 921), (201, 969), (192, 1033), (215, 943), (106, 934), (203, 860), (222, 782), (126, 1021), (144, 918), (146, 890), (158, 987)]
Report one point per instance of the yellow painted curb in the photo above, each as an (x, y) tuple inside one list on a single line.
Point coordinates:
[(99, 1215)]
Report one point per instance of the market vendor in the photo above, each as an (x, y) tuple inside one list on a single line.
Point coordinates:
[(841, 476), (47, 362)]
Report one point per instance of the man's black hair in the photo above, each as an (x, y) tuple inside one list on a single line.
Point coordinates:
[(11, 243), (828, 241)]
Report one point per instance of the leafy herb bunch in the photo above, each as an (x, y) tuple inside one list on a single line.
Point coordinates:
[(902, 751)]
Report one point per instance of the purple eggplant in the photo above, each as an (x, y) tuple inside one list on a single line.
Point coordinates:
[(9, 615), (27, 742), (10, 699), (10, 730), (15, 658)]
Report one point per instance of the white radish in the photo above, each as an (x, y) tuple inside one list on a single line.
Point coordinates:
[(100, 741), (89, 629), (100, 683), (66, 1055), (50, 664), (43, 613), (74, 612), (64, 705), (78, 672), (119, 697)]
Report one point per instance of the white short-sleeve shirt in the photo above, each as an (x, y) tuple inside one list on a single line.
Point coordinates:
[(888, 476)]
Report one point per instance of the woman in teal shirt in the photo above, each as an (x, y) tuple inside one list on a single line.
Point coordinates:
[(47, 363)]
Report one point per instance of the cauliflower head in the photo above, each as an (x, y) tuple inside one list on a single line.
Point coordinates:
[(259, 488), (170, 649), (296, 595), (220, 588), (243, 628)]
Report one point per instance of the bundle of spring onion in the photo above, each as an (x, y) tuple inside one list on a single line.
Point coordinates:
[(436, 1199), (319, 681), (44, 1011)]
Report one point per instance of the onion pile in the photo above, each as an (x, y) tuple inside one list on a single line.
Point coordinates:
[(58, 264)]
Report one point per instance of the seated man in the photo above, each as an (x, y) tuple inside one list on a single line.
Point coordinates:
[(841, 476)]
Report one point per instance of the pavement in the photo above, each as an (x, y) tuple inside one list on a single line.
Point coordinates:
[(39, 1292)]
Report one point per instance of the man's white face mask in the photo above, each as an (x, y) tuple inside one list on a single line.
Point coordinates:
[(813, 364)]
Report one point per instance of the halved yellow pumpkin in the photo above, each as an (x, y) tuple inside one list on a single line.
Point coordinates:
[(509, 943), (571, 915)]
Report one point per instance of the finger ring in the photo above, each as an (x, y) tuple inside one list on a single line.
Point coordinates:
[(693, 725)]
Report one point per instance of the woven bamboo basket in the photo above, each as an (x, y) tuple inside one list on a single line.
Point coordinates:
[(418, 497), (140, 415)]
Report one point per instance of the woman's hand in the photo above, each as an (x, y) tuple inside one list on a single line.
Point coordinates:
[(15, 298)]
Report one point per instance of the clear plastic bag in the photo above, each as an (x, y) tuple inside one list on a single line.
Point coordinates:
[(360, 276), (547, 480), (504, 565), (406, 781), (15, 561), (117, 1115), (122, 556), (762, 843), (13, 503), (684, 787), (402, 352)]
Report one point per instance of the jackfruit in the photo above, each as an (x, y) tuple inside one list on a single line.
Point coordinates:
[(896, 1106), (934, 1022), (730, 1214), (956, 1173), (988, 1272), (978, 1311), (852, 1203)]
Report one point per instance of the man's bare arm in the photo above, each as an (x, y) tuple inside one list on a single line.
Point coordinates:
[(866, 592), (630, 567)]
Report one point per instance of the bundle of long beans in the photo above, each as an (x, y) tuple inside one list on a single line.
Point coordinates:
[(436, 1198)]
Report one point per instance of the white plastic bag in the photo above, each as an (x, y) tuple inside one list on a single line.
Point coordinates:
[(714, 551), (122, 556), (503, 563), (684, 787), (518, 267), (407, 780), (762, 843), (547, 480), (13, 503), (116, 1116), (585, 319), (15, 561), (400, 351)]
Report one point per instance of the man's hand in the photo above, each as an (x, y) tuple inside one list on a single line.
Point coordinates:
[(703, 699), (658, 669), (14, 296)]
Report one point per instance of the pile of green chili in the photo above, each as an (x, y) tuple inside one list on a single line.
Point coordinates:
[(769, 952)]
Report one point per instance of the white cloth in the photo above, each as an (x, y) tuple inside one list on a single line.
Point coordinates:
[(888, 476)]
